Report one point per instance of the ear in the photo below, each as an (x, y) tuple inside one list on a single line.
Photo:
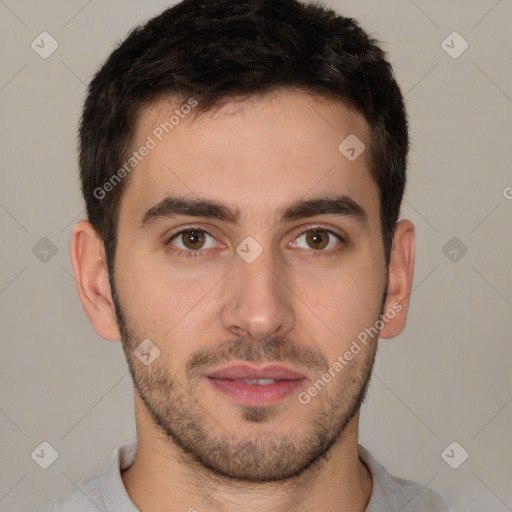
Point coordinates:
[(88, 258), (400, 277)]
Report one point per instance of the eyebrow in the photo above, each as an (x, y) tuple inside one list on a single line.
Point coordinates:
[(171, 207)]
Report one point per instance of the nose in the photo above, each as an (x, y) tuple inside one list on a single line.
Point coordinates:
[(257, 299)]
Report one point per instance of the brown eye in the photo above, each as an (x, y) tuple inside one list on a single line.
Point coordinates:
[(192, 240), (317, 239)]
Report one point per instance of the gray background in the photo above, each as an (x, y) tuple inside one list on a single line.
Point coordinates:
[(445, 379)]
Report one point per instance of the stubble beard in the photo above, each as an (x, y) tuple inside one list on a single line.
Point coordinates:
[(205, 445)]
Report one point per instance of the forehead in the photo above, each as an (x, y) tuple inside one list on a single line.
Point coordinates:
[(253, 155)]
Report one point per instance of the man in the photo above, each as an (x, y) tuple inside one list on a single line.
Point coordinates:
[(243, 164)]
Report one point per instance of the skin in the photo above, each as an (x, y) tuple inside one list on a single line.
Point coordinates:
[(295, 303)]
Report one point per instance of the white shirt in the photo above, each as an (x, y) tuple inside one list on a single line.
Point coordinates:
[(105, 491)]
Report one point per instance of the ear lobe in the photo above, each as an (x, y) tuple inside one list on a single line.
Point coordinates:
[(400, 278), (91, 276)]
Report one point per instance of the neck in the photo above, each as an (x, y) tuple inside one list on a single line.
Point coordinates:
[(163, 477)]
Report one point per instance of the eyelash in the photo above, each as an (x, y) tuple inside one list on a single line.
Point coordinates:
[(194, 255)]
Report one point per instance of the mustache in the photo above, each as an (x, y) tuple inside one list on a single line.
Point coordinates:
[(274, 348)]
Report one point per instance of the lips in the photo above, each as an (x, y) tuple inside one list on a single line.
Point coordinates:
[(245, 384), (244, 371)]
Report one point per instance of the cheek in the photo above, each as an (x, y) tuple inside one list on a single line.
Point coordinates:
[(150, 301), (163, 300), (347, 300)]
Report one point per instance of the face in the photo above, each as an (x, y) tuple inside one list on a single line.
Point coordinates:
[(250, 254)]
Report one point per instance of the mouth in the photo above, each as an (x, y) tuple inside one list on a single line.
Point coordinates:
[(245, 384)]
